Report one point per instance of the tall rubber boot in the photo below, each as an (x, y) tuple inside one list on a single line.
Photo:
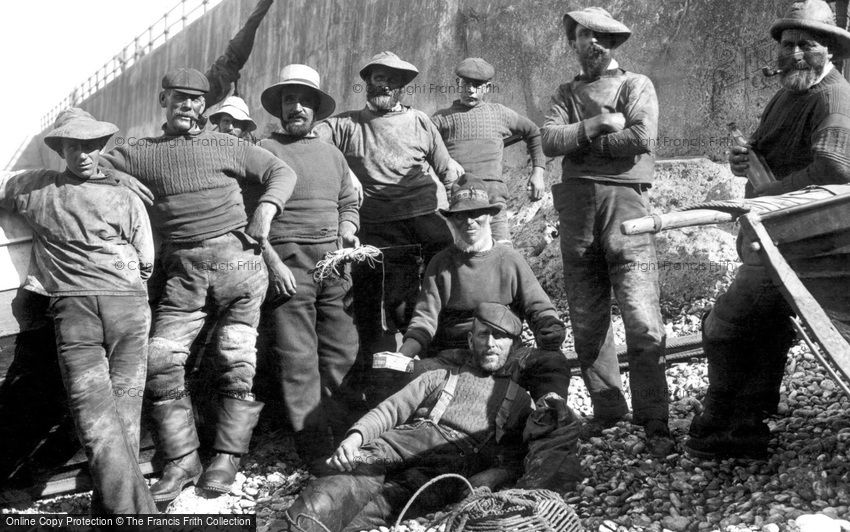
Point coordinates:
[(552, 433), (177, 442), (236, 421)]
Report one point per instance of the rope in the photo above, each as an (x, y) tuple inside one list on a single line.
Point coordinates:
[(331, 265)]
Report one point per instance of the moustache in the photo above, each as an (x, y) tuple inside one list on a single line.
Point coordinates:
[(293, 116)]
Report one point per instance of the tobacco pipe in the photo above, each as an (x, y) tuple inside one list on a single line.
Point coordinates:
[(770, 71)]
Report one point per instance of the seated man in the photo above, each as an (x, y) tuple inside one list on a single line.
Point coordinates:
[(465, 419)]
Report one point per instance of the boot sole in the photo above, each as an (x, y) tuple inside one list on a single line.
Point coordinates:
[(710, 455), (215, 487), (171, 495)]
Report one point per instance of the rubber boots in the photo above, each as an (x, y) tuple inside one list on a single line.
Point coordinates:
[(178, 443), (552, 433), (236, 421)]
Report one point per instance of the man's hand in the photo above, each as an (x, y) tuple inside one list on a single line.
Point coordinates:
[(770, 189), (455, 171), (135, 186), (280, 276), (261, 223), (347, 238), (739, 160), (604, 123), (536, 184), (358, 187), (345, 456)]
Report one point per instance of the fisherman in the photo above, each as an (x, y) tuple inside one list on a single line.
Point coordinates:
[(804, 136), (92, 253), (232, 118), (394, 151), (314, 339), (465, 419), (474, 131), (212, 268), (603, 123)]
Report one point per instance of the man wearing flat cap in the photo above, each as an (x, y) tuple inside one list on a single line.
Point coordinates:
[(395, 152), (212, 265), (87, 228), (314, 342), (604, 123), (474, 131), (804, 137), (466, 419)]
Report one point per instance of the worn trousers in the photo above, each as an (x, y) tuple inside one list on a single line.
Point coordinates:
[(314, 344), (101, 342), (746, 338), (597, 258), (223, 277)]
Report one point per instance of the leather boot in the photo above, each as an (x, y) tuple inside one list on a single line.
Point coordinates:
[(177, 441), (236, 421)]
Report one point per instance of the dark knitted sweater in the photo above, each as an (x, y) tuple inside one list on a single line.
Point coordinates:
[(805, 136), (456, 283), (471, 412), (474, 136), (622, 157), (323, 197), (194, 178)]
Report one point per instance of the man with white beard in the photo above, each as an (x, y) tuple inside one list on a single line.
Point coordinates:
[(804, 136)]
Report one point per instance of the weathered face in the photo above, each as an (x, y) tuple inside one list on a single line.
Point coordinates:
[(801, 59), (182, 110), (471, 228), (593, 50), (383, 89), (472, 91), (82, 156), (298, 107), (490, 347), (226, 124)]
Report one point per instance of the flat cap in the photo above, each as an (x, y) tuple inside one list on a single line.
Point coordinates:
[(476, 69), (499, 317), (186, 80)]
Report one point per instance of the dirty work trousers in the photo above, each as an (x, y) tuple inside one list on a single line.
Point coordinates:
[(415, 241), (223, 276), (746, 338), (101, 342), (314, 344), (387, 477), (597, 258)]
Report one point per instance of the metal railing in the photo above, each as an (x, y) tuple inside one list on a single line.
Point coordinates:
[(158, 33)]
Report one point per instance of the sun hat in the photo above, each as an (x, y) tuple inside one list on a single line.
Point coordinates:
[(301, 75), (237, 109), (390, 60), (815, 16), (598, 20), (75, 123)]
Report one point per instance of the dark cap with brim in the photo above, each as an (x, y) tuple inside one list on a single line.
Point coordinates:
[(186, 80), (75, 123), (475, 69), (499, 317), (470, 195)]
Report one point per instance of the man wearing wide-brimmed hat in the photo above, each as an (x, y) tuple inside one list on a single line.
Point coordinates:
[(232, 118), (604, 124), (93, 251), (314, 342), (212, 266), (474, 131), (394, 151), (804, 136)]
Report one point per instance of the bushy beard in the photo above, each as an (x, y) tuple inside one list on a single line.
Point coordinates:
[(297, 129), (383, 99), (594, 60), (483, 243), (800, 75)]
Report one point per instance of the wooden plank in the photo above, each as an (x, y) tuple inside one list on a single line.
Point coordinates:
[(803, 222), (797, 295)]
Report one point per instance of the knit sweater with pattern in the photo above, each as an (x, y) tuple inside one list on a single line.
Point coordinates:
[(395, 155), (805, 136), (323, 197), (194, 178), (472, 411), (475, 136), (622, 157)]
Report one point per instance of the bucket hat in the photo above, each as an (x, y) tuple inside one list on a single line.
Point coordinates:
[(236, 108), (301, 75), (598, 20), (390, 60), (470, 196), (75, 123), (815, 16)]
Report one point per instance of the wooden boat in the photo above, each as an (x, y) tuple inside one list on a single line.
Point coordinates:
[(803, 239)]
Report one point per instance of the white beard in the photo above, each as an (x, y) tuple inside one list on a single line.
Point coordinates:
[(484, 243)]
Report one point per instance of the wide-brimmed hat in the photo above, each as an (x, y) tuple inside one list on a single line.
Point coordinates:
[(597, 20), (303, 76), (237, 109), (74, 123), (815, 16), (499, 317), (392, 61), (470, 195)]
